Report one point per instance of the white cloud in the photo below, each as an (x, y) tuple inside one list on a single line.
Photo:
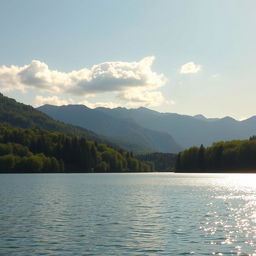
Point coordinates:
[(38, 75), (8, 78), (116, 77), (190, 68), (131, 81), (104, 77)]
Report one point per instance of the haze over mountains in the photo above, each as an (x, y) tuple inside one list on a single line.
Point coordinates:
[(113, 126), (139, 130), (24, 116), (165, 132)]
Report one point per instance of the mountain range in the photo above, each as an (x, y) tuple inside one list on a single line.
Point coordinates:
[(24, 116), (139, 130), (163, 132), (116, 128)]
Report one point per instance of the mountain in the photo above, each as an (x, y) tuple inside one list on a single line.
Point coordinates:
[(25, 116), (113, 126), (31, 141), (140, 130), (188, 130), (201, 117)]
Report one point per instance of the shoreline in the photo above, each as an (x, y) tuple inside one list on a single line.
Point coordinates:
[(137, 172)]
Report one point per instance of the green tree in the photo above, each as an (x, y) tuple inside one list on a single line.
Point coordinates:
[(201, 158), (7, 163)]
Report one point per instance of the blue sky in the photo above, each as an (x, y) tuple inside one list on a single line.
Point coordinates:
[(144, 45)]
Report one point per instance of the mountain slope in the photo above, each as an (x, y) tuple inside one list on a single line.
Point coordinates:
[(112, 126), (25, 116), (187, 130), (37, 150)]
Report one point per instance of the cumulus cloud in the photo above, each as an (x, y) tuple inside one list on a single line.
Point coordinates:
[(104, 77), (190, 68), (8, 78), (118, 76), (38, 75), (132, 81)]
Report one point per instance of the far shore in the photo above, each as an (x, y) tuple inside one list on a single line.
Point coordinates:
[(113, 172)]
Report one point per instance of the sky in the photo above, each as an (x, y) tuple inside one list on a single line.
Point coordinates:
[(187, 57)]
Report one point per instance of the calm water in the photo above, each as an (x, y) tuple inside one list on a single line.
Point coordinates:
[(127, 214)]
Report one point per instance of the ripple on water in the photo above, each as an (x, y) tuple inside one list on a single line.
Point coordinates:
[(128, 214)]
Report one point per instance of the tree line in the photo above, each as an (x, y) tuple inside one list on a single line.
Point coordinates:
[(236, 155), (24, 116), (162, 162), (37, 150)]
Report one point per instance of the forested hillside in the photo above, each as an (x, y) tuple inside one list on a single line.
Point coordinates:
[(236, 155), (25, 116), (114, 127), (37, 150)]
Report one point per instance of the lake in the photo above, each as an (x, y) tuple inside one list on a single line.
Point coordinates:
[(127, 214)]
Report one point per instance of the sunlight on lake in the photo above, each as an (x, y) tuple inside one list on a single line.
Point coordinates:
[(128, 214)]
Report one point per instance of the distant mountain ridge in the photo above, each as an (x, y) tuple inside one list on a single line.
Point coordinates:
[(24, 116), (118, 128), (185, 130), (190, 130)]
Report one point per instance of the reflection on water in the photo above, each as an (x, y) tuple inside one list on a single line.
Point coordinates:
[(128, 214)]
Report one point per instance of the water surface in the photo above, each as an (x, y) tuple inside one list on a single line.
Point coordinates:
[(127, 214)]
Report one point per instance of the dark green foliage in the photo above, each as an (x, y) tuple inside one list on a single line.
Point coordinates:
[(201, 157), (25, 116), (7, 162), (161, 162), (102, 167), (37, 145), (37, 150), (232, 156), (123, 131)]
